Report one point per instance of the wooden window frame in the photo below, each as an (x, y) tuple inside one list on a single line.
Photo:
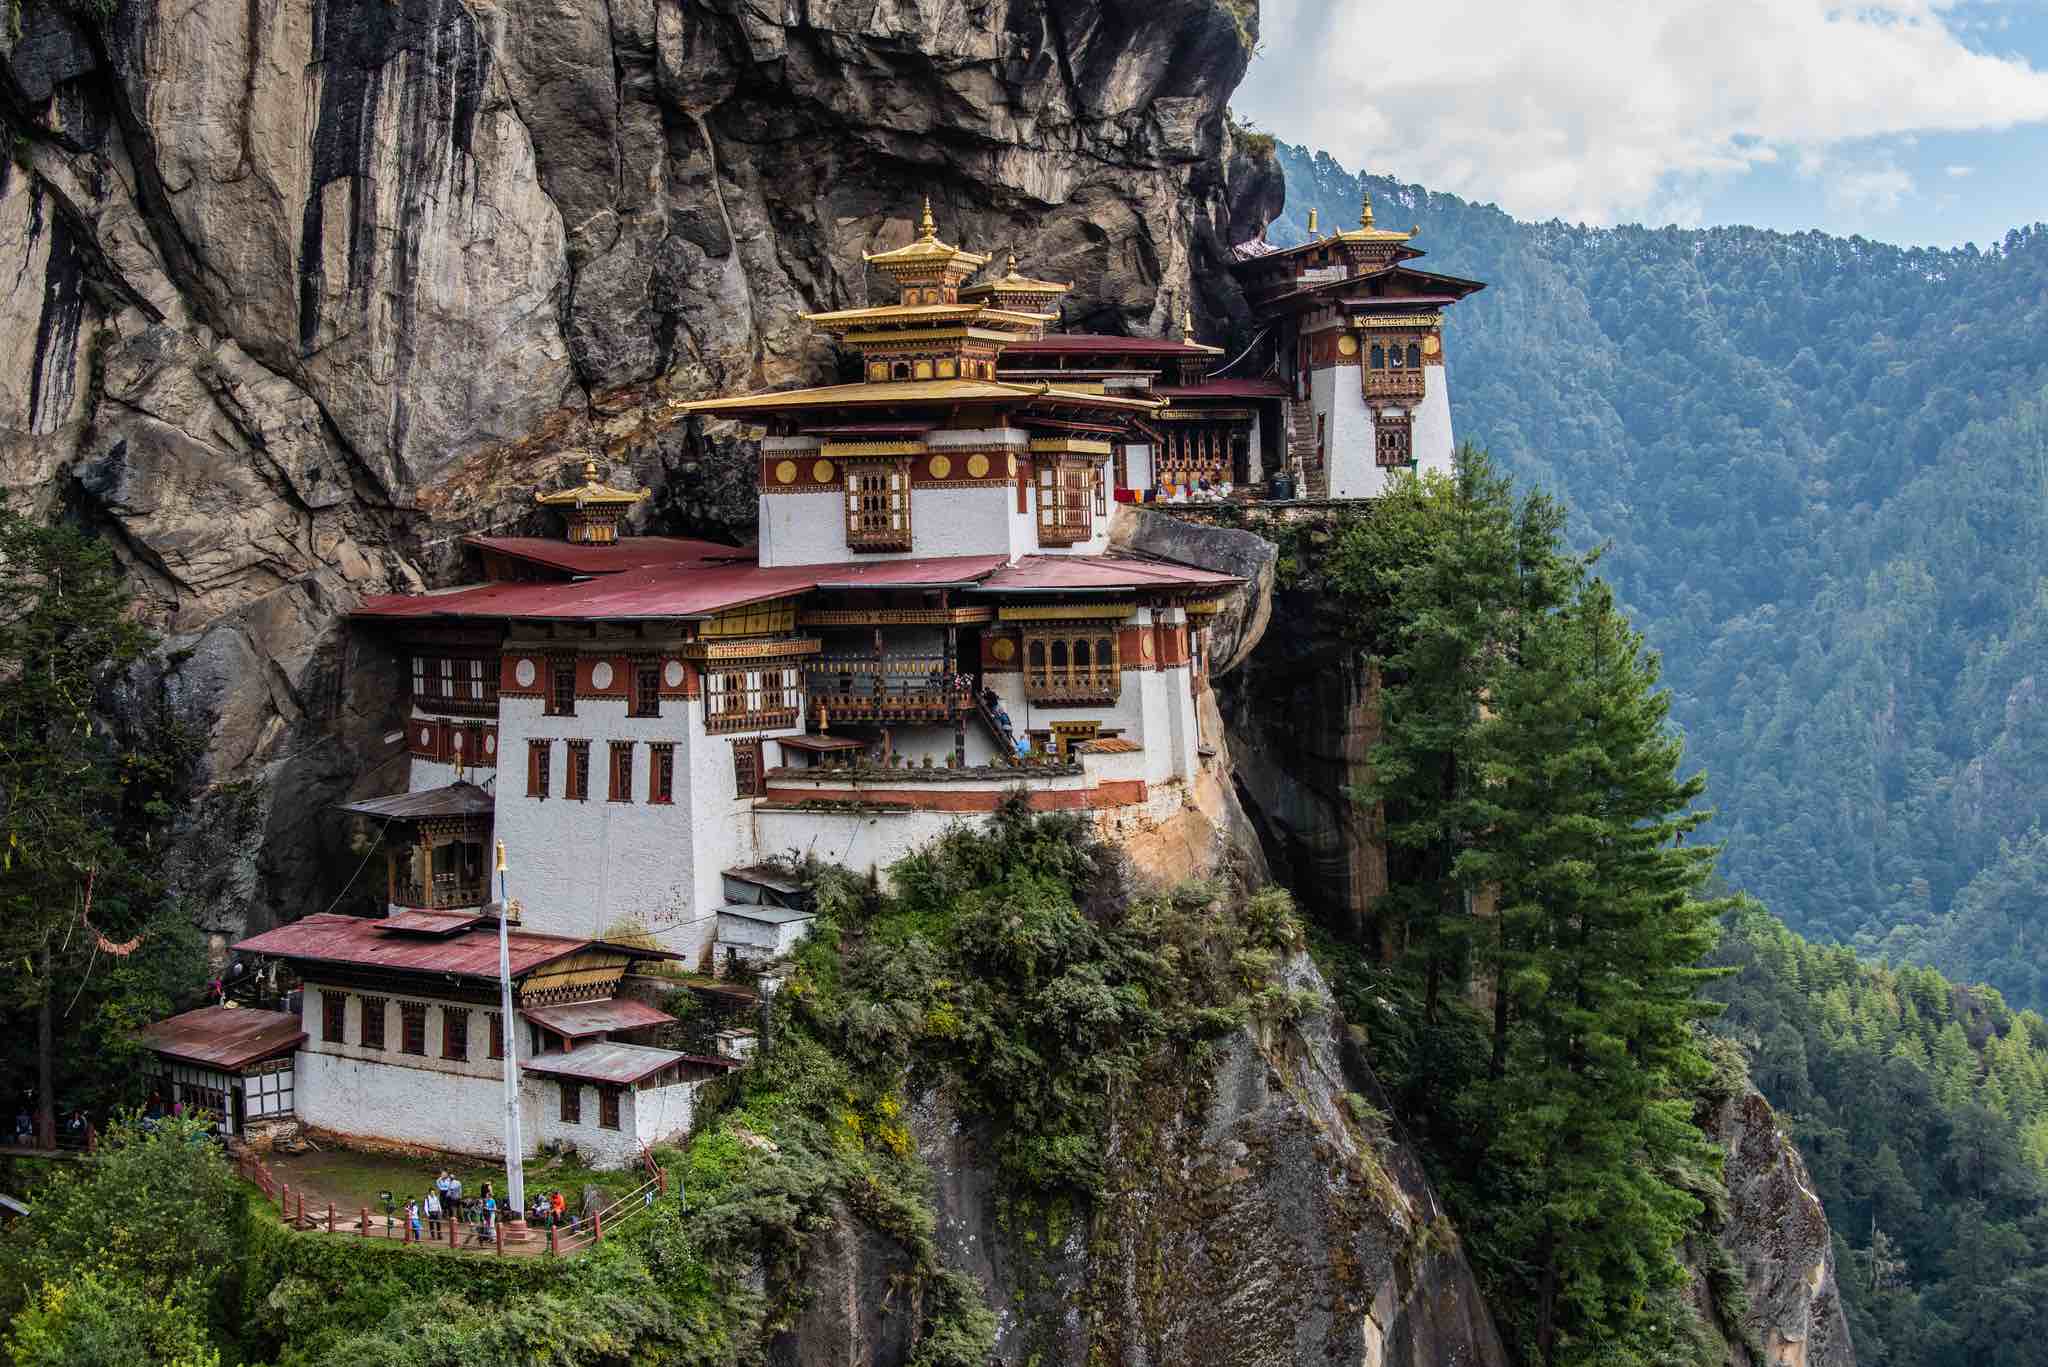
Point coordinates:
[(497, 1020), (1063, 663), (749, 777), (661, 772), (620, 767), (412, 1029), (540, 761), (608, 1108), (455, 1034), (571, 1112), (877, 502), (333, 1016), (1393, 441), (1065, 503), (576, 788), (646, 689), (559, 702), (370, 1029), (759, 695), (459, 683)]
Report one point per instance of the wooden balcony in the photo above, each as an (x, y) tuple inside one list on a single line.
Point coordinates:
[(445, 892), (751, 719), (890, 689), (465, 706), (1404, 384)]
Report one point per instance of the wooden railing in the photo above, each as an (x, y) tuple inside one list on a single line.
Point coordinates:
[(1393, 384), (886, 688), (446, 891)]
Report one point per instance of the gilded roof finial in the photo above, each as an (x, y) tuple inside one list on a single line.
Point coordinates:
[(931, 229), (1187, 324), (1013, 266), (1312, 223), (1365, 212), (590, 472)]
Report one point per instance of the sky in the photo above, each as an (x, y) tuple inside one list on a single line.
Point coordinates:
[(1922, 122)]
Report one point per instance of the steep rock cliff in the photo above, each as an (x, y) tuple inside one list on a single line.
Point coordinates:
[(303, 290), (1263, 1216)]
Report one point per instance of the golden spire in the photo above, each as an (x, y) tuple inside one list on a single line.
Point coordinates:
[(1187, 324), (1311, 222), (931, 229), (1013, 265), (590, 472), (1365, 212)]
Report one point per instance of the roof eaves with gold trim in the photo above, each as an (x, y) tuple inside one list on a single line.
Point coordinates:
[(592, 493), (915, 391)]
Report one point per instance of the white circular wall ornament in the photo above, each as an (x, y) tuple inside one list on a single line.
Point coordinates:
[(490, 742), (458, 742), (672, 674), (524, 672), (600, 675), (426, 735)]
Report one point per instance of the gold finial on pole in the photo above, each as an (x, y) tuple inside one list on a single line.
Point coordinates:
[(590, 472), (1187, 324), (1311, 222), (501, 856), (931, 229), (1013, 263), (1365, 210)]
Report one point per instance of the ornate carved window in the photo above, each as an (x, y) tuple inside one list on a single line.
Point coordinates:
[(371, 1032), (1400, 376), (661, 772), (539, 759), (455, 1034), (455, 683), (622, 771), (1065, 503), (1072, 664), (741, 696), (746, 768), (578, 787), (878, 506), (561, 688), (646, 700), (413, 1028), (1395, 435)]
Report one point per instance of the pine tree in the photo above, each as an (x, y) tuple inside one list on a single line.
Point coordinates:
[(1592, 1114)]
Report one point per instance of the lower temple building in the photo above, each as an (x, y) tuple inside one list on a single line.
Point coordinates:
[(933, 619)]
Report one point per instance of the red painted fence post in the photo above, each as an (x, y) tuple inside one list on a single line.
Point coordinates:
[(454, 1239), (330, 1217), (302, 1207), (552, 1247), (364, 1228), (596, 1226), (284, 1204), (498, 1234)]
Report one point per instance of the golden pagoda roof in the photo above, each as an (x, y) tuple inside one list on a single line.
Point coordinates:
[(1366, 232), (926, 252), (1012, 283), (592, 493), (916, 391)]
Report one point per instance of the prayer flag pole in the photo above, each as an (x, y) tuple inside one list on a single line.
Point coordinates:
[(515, 1171)]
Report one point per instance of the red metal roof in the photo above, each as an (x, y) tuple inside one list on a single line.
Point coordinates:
[(451, 799), (1104, 344), (673, 591), (228, 1038), (621, 1065), (1034, 573), (1223, 389), (579, 1020), (632, 552), (361, 941)]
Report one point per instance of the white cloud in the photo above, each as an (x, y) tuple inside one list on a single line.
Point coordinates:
[(1958, 172), (1609, 109)]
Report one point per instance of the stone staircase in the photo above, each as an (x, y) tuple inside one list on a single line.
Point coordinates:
[(1301, 447)]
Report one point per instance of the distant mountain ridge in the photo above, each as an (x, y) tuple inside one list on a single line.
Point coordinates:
[(1819, 466)]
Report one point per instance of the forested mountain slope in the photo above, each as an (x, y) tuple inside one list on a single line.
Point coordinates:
[(1820, 467)]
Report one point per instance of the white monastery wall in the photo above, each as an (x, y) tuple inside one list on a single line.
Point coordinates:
[(663, 1113), (722, 834), (1138, 465), (860, 841), (1433, 442)]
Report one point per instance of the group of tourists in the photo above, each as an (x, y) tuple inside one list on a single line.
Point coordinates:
[(477, 1214)]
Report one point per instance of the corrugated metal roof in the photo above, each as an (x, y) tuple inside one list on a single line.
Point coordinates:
[(360, 941), (622, 1065), (417, 922), (821, 744), (229, 1038), (578, 1020), (1111, 745), (672, 592), (1085, 573), (631, 552), (453, 799), (766, 915)]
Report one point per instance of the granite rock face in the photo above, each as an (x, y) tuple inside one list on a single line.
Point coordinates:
[(1778, 1234), (1262, 1217), (298, 292)]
